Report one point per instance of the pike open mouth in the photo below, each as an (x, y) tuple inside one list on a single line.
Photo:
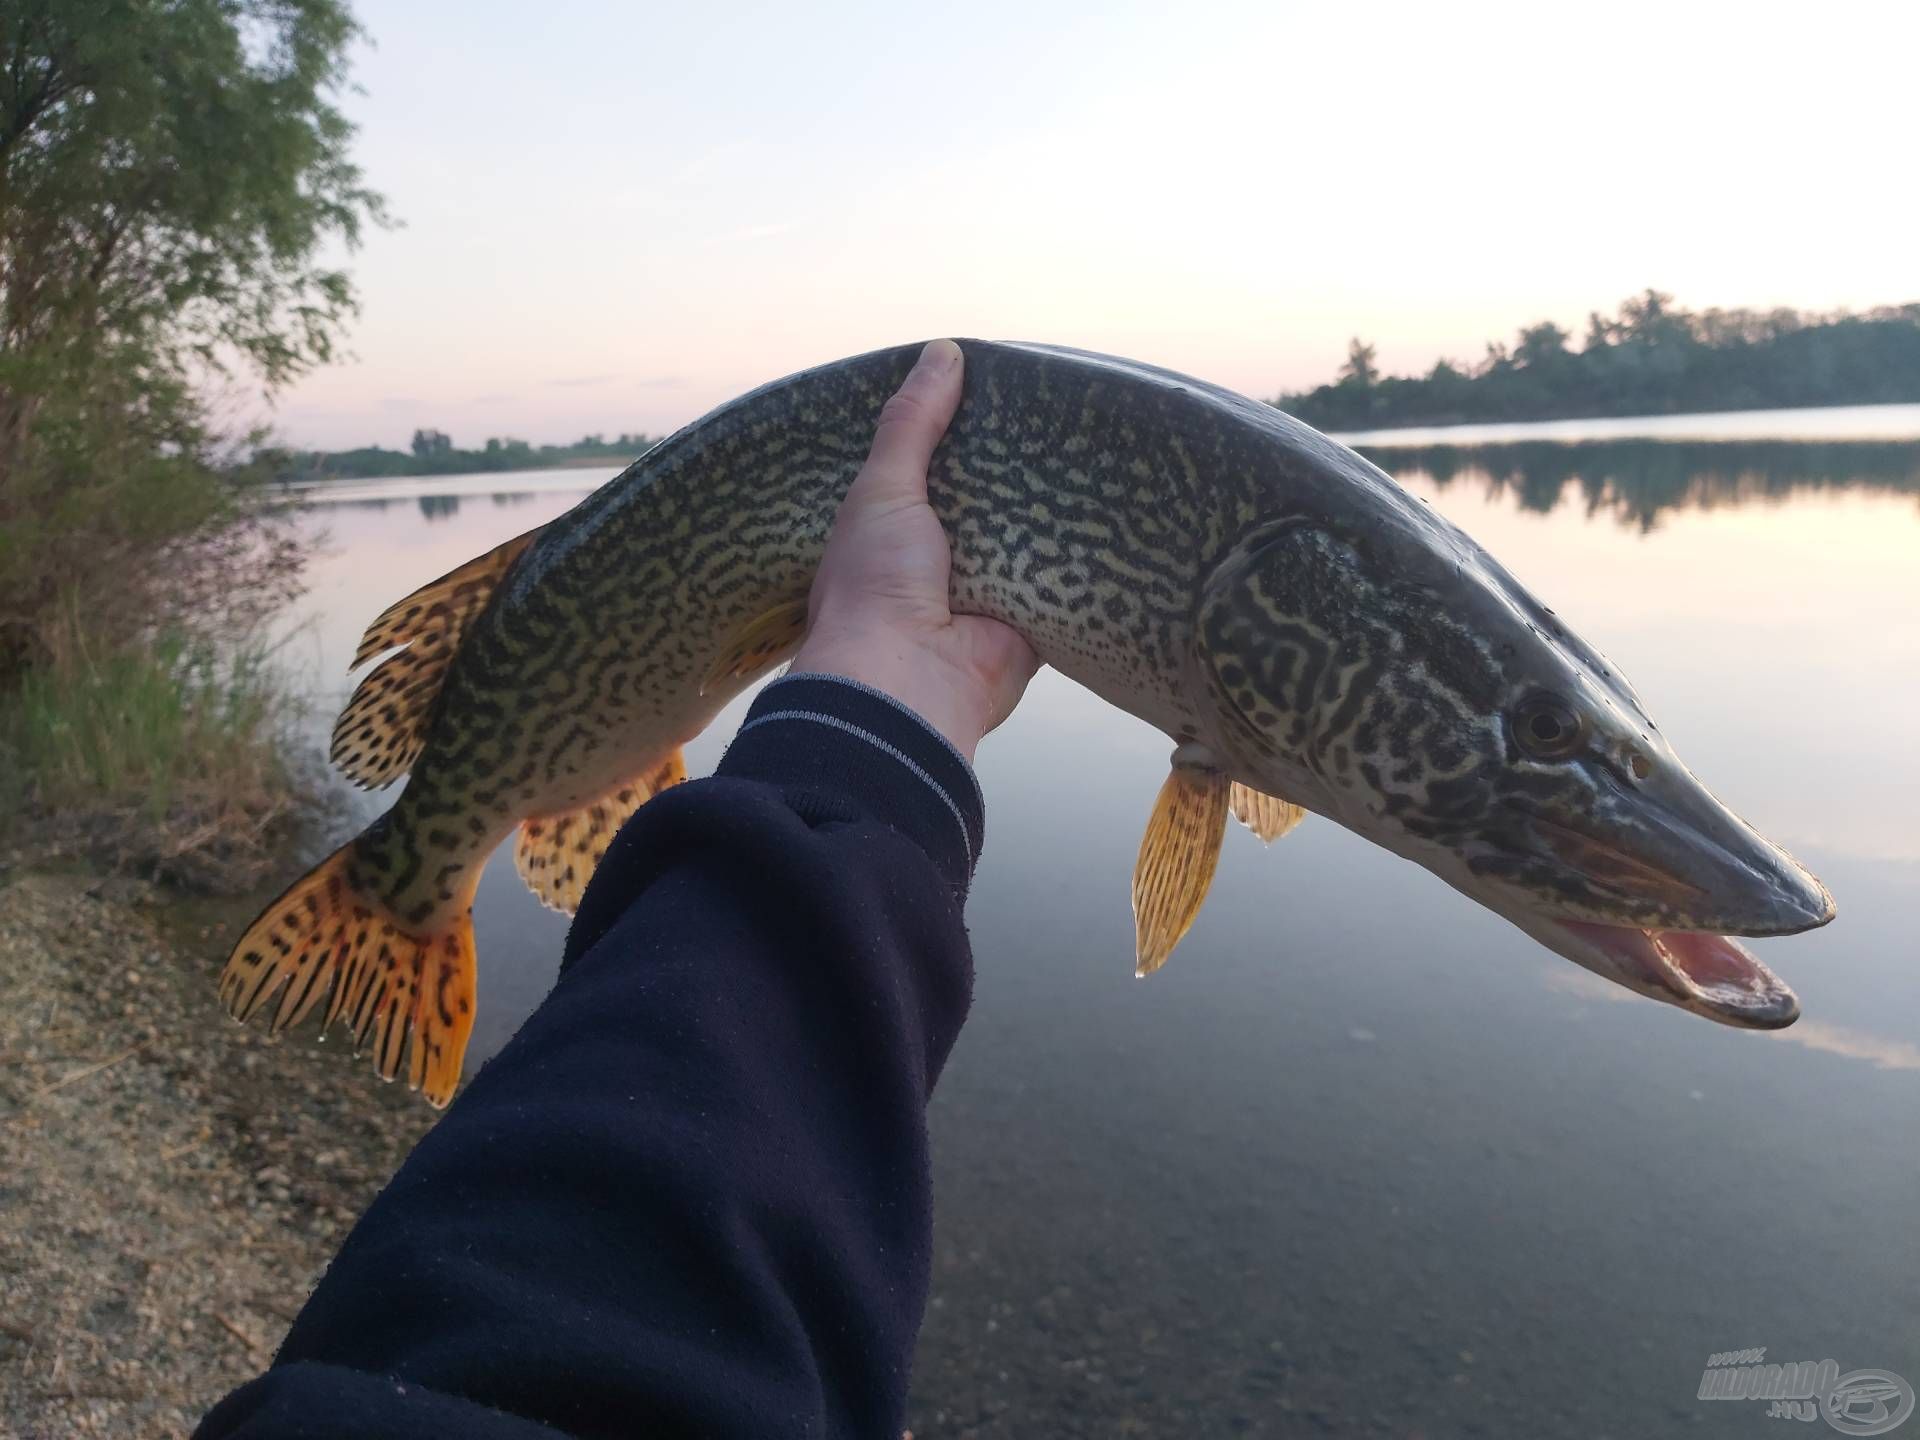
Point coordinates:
[(1711, 975)]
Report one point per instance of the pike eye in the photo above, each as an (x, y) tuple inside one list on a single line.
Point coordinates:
[(1546, 728)]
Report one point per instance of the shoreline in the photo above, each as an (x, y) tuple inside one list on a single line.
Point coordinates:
[(172, 1190)]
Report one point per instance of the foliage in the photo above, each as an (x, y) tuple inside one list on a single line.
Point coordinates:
[(1651, 359), (174, 176), (172, 169), (170, 174), (433, 453)]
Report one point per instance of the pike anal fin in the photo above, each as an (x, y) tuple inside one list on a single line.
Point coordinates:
[(1177, 859), (556, 854), (759, 644), (1267, 816)]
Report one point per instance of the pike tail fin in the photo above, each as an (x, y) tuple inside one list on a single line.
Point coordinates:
[(329, 936)]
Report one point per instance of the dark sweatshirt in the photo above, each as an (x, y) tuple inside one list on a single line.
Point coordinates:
[(692, 1195)]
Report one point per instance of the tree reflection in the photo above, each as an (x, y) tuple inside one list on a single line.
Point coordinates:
[(1638, 480)]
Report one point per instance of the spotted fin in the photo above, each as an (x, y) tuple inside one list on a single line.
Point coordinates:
[(380, 733), (762, 642), (403, 993), (556, 854), (1267, 816), (1177, 859), (441, 610)]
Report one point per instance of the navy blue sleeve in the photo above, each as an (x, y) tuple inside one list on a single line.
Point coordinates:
[(691, 1197)]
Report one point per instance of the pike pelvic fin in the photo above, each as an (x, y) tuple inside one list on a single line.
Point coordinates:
[(1177, 859), (557, 854), (380, 733), (1267, 816), (328, 936), (757, 645)]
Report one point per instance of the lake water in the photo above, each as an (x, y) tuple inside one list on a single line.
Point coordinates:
[(1363, 1160), (1831, 422)]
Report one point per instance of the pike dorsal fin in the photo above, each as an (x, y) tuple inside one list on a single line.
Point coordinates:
[(1177, 859), (1267, 816), (380, 733), (556, 854), (436, 613)]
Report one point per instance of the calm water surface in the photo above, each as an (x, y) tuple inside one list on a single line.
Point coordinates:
[(1363, 1160), (1829, 422)]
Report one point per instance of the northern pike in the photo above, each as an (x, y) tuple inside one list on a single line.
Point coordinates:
[(1308, 635)]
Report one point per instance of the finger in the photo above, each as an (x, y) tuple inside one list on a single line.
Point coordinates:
[(911, 424)]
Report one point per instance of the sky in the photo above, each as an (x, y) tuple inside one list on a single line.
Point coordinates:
[(614, 216)]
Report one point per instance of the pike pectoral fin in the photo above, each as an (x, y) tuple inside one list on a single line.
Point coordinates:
[(1267, 816), (1177, 859), (761, 642), (380, 733), (556, 854)]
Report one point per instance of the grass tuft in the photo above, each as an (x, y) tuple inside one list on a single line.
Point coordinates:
[(165, 756)]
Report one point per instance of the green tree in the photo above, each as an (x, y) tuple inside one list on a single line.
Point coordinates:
[(173, 174), (1543, 344), (1360, 369), (1651, 319), (1652, 358)]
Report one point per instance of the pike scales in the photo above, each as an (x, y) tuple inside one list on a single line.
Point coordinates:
[(1308, 636)]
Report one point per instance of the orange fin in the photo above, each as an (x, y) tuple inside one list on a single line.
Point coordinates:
[(557, 854), (762, 642), (1177, 859), (380, 733), (384, 727), (327, 938), (1267, 816), (444, 607)]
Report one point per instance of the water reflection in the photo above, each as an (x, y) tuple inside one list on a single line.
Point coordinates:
[(1637, 480), (1364, 1161), (1880, 1051)]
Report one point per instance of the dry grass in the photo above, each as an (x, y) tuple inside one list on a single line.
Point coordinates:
[(165, 756)]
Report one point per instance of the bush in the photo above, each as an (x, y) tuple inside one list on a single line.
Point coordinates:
[(175, 189)]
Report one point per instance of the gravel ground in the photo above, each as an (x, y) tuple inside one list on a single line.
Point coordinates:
[(169, 1190)]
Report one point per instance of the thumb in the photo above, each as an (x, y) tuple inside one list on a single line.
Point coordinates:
[(910, 426)]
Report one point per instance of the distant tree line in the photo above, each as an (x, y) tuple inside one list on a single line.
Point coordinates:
[(1653, 358), (434, 453)]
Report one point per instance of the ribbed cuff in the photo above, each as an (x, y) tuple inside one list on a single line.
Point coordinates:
[(828, 734)]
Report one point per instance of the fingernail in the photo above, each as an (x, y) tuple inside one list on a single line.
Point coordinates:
[(937, 358)]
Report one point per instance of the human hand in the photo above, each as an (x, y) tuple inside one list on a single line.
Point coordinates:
[(878, 612)]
